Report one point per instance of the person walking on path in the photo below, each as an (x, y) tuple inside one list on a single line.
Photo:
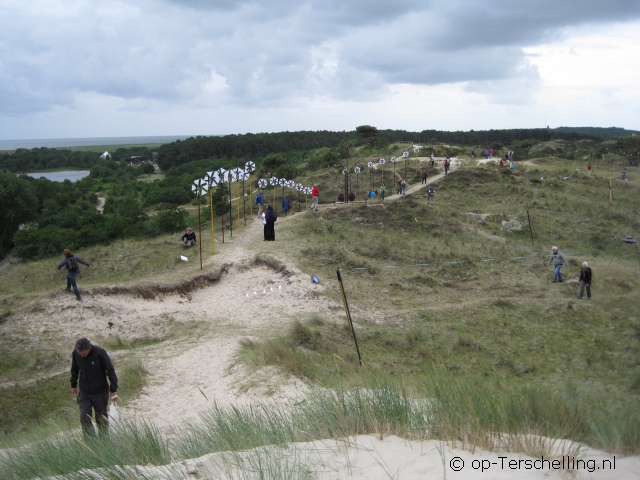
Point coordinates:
[(404, 187), (383, 190), (433, 159), (315, 193), (259, 202), (286, 205), (91, 366), (263, 218), (270, 217), (431, 191), (424, 177), (589, 168), (73, 271), (585, 280), (557, 260)]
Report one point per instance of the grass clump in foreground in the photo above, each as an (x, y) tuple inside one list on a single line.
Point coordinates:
[(465, 413), (70, 454)]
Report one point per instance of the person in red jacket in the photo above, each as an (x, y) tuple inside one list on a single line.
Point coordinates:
[(315, 193)]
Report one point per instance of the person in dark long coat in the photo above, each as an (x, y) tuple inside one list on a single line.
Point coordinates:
[(270, 232), (263, 218)]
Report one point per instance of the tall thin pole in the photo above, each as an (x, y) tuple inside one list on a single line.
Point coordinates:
[(222, 216), (346, 311), (200, 232), (230, 208), (244, 204), (238, 207), (212, 218)]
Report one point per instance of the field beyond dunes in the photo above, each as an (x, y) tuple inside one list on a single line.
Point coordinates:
[(463, 337)]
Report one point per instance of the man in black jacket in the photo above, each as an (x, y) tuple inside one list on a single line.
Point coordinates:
[(189, 238), (92, 365), (585, 280)]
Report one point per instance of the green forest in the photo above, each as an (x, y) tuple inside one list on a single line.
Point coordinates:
[(39, 218)]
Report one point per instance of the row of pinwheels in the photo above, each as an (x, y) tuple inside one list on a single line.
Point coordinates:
[(283, 182), (212, 179), (221, 176)]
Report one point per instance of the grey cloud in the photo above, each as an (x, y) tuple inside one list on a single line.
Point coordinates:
[(267, 52)]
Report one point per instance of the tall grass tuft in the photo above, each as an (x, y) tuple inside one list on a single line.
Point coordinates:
[(233, 429), (134, 443)]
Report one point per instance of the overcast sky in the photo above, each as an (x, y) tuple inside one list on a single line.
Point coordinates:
[(81, 68)]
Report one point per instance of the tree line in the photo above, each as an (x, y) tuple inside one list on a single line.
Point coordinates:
[(256, 146), (40, 217), (43, 158)]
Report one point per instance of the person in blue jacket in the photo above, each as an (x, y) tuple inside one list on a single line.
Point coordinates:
[(259, 201), (286, 205)]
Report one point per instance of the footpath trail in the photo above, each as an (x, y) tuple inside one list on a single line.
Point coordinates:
[(185, 379), (193, 338), (455, 164)]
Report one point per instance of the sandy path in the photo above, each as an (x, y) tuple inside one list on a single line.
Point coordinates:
[(198, 335), (186, 377)]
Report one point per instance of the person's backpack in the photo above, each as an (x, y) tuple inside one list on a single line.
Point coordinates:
[(275, 215), (72, 263)]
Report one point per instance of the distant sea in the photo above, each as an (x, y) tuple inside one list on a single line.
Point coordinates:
[(86, 142)]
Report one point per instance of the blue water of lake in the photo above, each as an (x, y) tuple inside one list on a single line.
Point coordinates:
[(60, 176)]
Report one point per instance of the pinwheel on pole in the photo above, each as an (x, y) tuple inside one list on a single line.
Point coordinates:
[(212, 181), (283, 183), (405, 155), (393, 160), (249, 168), (357, 170), (345, 172), (370, 165), (229, 178), (273, 181), (238, 175), (262, 183), (290, 185), (347, 185), (198, 188), (299, 187), (382, 162), (221, 177), (245, 175)]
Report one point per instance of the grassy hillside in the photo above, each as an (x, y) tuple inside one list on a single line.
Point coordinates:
[(463, 284), (457, 290)]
